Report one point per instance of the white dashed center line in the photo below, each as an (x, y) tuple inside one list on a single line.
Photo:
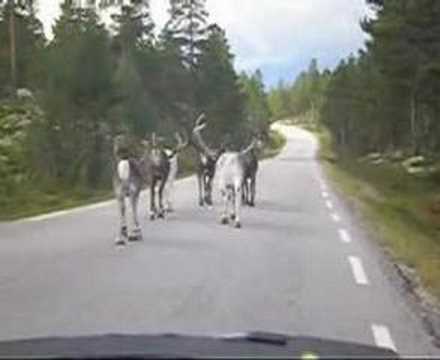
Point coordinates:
[(358, 270), (345, 236), (382, 337), (329, 204), (335, 217)]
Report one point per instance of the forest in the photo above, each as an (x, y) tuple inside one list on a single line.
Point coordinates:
[(99, 76), (385, 98)]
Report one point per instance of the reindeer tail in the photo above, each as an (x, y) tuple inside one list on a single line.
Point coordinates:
[(124, 170)]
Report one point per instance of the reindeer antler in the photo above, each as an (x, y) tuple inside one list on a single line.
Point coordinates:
[(199, 142), (181, 144)]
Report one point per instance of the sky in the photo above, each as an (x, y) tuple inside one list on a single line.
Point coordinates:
[(280, 37)]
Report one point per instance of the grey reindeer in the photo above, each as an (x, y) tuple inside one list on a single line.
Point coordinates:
[(206, 161), (250, 165), (132, 173), (162, 170), (128, 180)]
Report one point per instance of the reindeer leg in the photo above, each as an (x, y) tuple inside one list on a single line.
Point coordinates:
[(244, 192), (153, 200), (208, 191), (233, 196), (161, 214), (225, 197), (200, 181), (137, 232), (253, 191), (237, 199), (123, 233)]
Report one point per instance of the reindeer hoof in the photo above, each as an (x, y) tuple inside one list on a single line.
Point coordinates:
[(120, 242), (135, 238), (161, 215), (152, 217), (224, 220), (238, 225), (232, 217), (252, 204)]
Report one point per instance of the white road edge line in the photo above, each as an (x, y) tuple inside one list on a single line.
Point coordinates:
[(329, 204), (67, 212), (336, 218), (345, 236), (325, 194), (358, 270), (382, 337), (80, 209)]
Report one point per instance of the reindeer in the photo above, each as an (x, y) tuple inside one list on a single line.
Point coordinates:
[(250, 164), (157, 168), (229, 177), (207, 159), (173, 155), (128, 179)]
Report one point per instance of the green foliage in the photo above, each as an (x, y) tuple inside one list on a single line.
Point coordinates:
[(387, 97), (30, 36), (91, 82), (305, 95), (218, 92), (257, 109)]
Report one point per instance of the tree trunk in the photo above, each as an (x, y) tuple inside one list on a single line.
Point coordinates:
[(13, 47), (414, 124)]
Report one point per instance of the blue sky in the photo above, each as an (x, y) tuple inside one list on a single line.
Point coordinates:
[(277, 36)]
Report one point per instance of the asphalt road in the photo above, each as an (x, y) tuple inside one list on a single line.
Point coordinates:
[(300, 265)]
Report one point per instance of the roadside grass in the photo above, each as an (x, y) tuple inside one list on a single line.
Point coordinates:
[(33, 199), (32, 202), (277, 141), (397, 208)]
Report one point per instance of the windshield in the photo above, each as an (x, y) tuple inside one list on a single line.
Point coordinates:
[(208, 167)]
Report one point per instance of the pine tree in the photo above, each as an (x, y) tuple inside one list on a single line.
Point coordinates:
[(21, 43), (187, 27), (218, 90)]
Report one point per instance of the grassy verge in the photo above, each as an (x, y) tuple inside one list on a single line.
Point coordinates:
[(31, 201), (397, 207), (35, 202), (276, 143)]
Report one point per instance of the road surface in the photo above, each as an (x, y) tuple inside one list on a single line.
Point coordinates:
[(300, 265)]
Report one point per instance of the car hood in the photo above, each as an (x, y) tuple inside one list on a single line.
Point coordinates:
[(183, 346)]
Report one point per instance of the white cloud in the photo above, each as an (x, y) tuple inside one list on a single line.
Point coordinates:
[(275, 33)]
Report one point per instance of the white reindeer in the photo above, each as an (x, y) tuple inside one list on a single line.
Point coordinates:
[(229, 178), (229, 174)]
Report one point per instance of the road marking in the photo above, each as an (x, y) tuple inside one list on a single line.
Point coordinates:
[(67, 212), (329, 204), (382, 337), (345, 236), (325, 195), (358, 270), (336, 218), (81, 209)]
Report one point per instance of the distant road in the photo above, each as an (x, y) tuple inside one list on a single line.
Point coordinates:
[(300, 265)]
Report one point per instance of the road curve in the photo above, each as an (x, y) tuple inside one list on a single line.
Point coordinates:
[(300, 265)]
